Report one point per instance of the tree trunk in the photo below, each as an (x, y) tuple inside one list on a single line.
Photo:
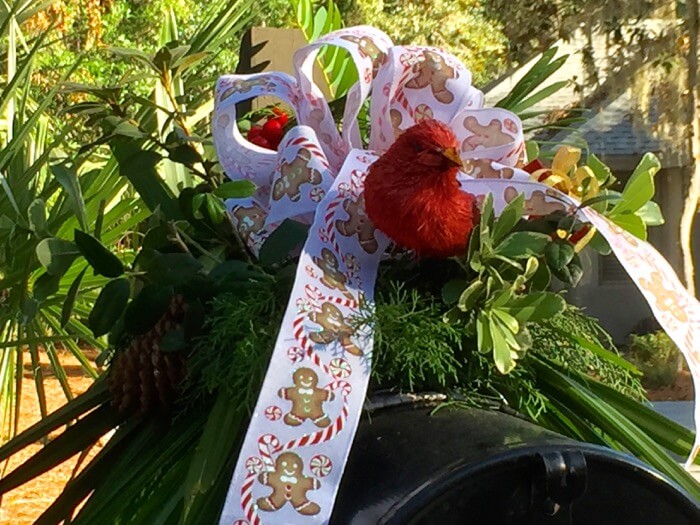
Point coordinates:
[(693, 196)]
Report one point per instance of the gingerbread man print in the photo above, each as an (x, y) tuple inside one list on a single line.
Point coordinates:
[(289, 485), (537, 204), (251, 219), (334, 327), (358, 224), (333, 278), (368, 49), (433, 71), (307, 399), (294, 174), (483, 169), (242, 86), (486, 136)]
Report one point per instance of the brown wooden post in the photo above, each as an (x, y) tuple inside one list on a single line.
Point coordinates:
[(272, 49)]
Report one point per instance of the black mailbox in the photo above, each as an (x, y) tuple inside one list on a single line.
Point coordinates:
[(474, 467)]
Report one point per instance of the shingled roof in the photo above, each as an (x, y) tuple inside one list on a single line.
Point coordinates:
[(614, 127)]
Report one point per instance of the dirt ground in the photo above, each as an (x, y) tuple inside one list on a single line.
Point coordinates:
[(24, 504), (681, 390)]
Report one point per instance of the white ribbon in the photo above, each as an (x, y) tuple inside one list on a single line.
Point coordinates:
[(317, 177)]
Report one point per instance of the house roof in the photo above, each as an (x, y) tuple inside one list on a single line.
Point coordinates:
[(615, 127)]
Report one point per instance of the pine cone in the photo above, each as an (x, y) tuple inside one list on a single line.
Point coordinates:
[(142, 378)]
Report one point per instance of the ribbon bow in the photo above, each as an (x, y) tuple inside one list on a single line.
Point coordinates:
[(316, 177)]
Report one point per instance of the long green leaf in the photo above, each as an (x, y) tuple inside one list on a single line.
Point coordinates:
[(615, 424), (73, 440), (94, 396)]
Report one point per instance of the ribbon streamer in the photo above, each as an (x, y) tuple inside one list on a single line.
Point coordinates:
[(292, 458)]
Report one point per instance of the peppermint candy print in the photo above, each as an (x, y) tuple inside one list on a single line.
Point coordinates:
[(317, 194), (340, 368), (273, 413), (321, 465), (295, 354), (254, 465)]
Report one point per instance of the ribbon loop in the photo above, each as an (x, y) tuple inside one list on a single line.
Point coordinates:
[(311, 400)]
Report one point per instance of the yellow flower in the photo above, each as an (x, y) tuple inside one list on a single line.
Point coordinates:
[(566, 176), (578, 181)]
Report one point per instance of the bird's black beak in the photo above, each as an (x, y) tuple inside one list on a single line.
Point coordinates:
[(452, 155)]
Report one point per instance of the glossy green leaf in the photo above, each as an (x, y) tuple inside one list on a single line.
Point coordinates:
[(536, 306), (109, 306), (45, 286), (278, 246), (147, 307), (483, 333), (237, 189), (469, 298), (507, 320), (632, 223), (570, 274), (451, 290), (37, 218), (71, 296), (558, 254), (170, 268), (502, 356), (56, 255), (640, 187), (521, 245), (651, 214), (97, 255), (68, 179), (215, 208), (600, 244), (601, 171), (508, 218)]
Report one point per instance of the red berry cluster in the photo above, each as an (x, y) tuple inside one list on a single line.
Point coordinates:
[(269, 134)]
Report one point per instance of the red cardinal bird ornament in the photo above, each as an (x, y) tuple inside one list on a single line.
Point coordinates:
[(413, 196)]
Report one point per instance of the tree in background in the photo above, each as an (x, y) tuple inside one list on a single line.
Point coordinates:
[(461, 27), (692, 29)]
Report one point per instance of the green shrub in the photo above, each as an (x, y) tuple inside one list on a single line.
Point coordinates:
[(657, 356)]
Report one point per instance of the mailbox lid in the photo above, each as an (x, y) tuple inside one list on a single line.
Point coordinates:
[(408, 466)]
